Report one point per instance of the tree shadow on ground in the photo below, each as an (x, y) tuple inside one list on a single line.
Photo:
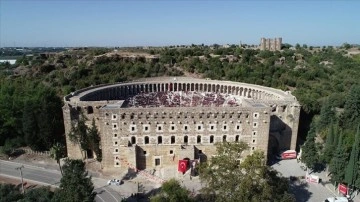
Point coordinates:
[(300, 190), (131, 174), (142, 197)]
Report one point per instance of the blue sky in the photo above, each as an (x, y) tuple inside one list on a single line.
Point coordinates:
[(167, 22)]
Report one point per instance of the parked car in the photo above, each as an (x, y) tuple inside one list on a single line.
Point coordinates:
[(337, 199), (115, 182)]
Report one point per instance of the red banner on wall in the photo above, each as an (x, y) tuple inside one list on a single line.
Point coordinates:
[(182, 166), (342, 189)]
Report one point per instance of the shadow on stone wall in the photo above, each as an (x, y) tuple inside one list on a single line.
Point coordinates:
[(140, 158), (282, 132)]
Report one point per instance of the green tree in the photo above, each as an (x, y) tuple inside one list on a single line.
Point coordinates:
[(351, 171), (227, 179), (327, 116), (172, 191), (30, 126), (75, 184), (351, 114), (9, 192), (57, 151), (41, 194), (329, 146), (310, 155), (338, 162)]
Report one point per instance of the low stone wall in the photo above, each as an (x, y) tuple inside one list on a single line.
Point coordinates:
[(29, 151)]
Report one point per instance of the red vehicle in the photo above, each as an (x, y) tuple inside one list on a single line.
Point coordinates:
[(288, 154)]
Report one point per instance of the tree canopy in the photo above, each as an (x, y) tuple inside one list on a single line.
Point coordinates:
[(310, 152), (172, 191), (75, 184), (227, 178)]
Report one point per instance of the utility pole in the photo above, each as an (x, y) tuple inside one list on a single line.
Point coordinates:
[(22, 181)]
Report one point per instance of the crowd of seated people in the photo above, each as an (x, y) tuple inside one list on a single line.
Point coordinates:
[(182, 99)]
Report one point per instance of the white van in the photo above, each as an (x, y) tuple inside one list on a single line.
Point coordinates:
[(337, 199)]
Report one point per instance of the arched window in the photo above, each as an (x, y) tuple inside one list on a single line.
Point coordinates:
[(211, 139), (133, 140), (159, 140), (185, 139), (172, 140), (146, 140), (198, 139), (224, 138), (237, 138), (90, 110)]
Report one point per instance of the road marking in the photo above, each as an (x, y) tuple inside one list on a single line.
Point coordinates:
[(43, 176), (31, 181), (110, 194), (30, 166), (99, 197), (104, 188)]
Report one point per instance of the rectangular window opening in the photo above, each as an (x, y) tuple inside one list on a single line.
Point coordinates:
[(157, 162)]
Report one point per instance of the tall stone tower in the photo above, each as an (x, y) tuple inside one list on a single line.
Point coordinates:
[(271, 44)]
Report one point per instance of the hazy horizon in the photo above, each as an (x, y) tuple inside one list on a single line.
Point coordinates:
[(90, 23)]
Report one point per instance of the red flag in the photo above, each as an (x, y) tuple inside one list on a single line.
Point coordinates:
[(182, 166)]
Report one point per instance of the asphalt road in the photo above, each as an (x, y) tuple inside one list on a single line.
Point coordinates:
[(39, 175)]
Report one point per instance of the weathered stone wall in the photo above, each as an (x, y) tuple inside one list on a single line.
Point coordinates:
[(271, 44), (159, 132), (145, 137)]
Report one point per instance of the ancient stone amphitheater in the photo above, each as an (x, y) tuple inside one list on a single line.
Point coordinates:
[(152, 123)]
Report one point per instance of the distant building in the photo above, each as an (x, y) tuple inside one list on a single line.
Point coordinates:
[(271, 44), (9, 61)]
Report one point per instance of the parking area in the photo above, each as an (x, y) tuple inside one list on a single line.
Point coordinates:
[(303, 190)]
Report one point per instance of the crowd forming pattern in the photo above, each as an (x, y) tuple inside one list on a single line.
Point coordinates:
[(182, 99)]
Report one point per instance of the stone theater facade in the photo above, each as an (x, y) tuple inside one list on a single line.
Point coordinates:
[(152, 123)]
